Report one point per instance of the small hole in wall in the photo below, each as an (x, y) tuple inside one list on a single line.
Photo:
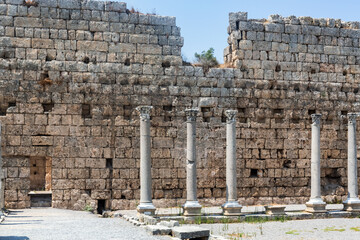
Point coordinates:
[(48, 107), (34, 165), (5, 55), (205, 109), (167, 108), (88, 191), (12, 104), (127, 62), (277, 68), (261, 120), (297, 88), (44, 79), (223, 118), (278, 111), (35, 173), (328, 121), (165, 64), (86, 60), (49, 58), (311, 111), (242, 120), (206, 119), (253, 173), (109, 163), (295, 120), (344, 113), (313, 71), (127, 112), (356, 90), (167, 118), (344, 73), (86, 111), (122, 196), (286, 164), (241, 110)]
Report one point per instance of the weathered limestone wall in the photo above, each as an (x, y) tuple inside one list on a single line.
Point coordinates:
[(73, 72)]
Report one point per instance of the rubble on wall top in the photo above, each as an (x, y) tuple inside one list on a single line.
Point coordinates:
[(275, 18)]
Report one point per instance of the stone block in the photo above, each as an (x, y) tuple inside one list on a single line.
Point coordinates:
[(158, 230), (190, 232)]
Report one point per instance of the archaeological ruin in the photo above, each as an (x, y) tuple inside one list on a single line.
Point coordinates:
[(76, 77)]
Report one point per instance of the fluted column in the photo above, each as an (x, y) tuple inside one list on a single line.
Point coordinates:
[(352, 203), (231, 207), (191, 206), (315, 204), (145, 205)]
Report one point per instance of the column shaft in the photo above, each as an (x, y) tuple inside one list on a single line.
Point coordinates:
[(315, 161), (145, 162), (2, 179), (191, 206), (191, 181), (352, 203), (231, 207), (231, 161), (315, 204), (145, 205)]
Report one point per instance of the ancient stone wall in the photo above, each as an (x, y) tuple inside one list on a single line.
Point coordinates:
[(73, 72)]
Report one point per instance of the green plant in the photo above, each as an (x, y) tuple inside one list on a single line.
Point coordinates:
[(225, 227), (206, 59), (356, 229), (225, 220), (88, 208), (209, 220), (333, 229), (293, 232), (182, 221), (198, 220)]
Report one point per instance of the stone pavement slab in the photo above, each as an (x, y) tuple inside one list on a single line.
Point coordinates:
[(50, 223)]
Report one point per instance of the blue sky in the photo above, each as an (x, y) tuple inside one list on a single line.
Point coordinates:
[(204, 22)]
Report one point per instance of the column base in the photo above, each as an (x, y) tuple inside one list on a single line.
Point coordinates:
[(315, 205), (352, 205), (146, 208), (192, 208), (231, 209)]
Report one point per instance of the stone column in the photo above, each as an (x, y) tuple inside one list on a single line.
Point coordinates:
[(352, 203), (2, 178), (191, 206), (231, 207), (146, 206), (315, 204)]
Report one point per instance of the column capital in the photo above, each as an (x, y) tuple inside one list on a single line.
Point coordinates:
[(191, 114), (352, 117), (144, 112), (230, 115), (316, 118)]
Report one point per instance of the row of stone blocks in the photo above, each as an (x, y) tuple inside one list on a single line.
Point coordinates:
[(232, 207)]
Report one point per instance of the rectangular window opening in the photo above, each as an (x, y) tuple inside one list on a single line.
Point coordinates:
[(253, 173), (86, 111), (109, 163)]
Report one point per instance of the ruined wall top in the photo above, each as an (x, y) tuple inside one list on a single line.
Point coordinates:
[(291, 48), (237, 17)]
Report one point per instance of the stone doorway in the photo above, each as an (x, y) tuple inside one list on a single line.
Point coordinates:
[(40, 181)]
